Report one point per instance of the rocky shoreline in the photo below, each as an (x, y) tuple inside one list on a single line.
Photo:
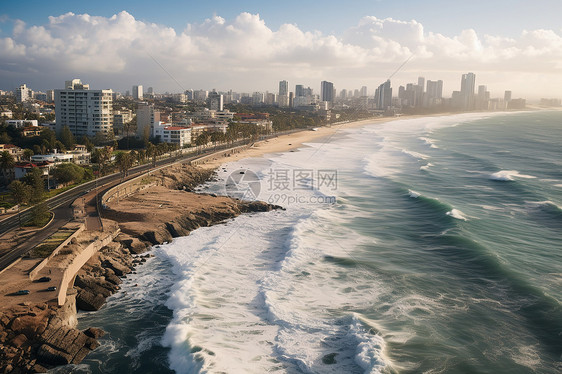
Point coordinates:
[(34, 338)]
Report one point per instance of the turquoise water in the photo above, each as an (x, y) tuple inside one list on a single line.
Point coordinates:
[(441, 254)]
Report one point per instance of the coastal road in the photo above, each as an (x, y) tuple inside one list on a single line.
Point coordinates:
[(61, 204), (62, 216)]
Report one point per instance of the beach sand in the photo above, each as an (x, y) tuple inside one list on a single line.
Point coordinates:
[(284, 143)]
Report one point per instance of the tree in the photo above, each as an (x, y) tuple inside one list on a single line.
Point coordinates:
[(48, 138), (101, 156), (27, 153), (60, 146), (68, 172), (21, 192), (34, 178), (7, 163), (40, 214), (152, 152), (124, 162), (67, 138), (5, 138)]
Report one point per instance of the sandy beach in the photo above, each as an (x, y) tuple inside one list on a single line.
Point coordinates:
[(284, 143)]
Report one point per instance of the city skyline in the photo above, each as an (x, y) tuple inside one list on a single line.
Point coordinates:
[(249, 52)]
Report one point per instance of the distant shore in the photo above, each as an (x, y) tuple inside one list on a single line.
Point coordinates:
[(285, 143)]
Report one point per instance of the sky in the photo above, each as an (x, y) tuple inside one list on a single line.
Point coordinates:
[(250, 46)]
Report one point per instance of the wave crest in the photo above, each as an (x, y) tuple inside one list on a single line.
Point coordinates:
[(508, 176)]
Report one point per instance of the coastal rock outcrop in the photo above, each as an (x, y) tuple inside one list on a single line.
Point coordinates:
[(36, 337)]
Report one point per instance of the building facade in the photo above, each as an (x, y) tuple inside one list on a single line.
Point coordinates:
[(327, 91), (84, 111), (137, 92), (147, 117)]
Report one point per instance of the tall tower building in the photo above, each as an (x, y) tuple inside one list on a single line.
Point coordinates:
[(23, 93), (363, 91), (299, 90), (434, 91), (147, 117), (283, 88), (468, 82), (137, 92), (283, 97), (216, 101), (327, 91), (383, 96), (84, 111)]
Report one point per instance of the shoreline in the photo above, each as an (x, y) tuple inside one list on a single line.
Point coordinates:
[(157, 215), (290, 142)]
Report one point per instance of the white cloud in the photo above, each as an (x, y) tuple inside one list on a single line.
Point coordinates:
[(246, 54)]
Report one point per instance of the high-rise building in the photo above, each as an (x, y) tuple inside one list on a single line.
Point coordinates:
[(147, 118), (507, 96), (51, 96), (327, 91), (23, 93), (299, 90), (137, 92), (283, 88), (84, 111), (468, 82), (283, 97), (383, 96), (363, 91), (483, 98), (434, 89), (216, 101)]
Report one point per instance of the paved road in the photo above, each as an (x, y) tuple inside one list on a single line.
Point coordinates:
[(61, 204), (62, 216)]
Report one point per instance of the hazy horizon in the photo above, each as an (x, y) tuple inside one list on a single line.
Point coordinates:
[(248, 51)]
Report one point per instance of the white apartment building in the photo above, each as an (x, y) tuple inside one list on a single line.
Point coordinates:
[(172, 134), (23, 93), (137, 92), (147, 117), (84, 111)]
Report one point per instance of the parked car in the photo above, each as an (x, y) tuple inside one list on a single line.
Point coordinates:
[(22, 292), (44, 279), (52, 288)]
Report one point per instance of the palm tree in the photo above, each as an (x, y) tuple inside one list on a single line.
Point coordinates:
[(7, 164), (124, 161)]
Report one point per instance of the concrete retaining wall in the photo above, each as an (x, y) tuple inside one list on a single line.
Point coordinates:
[(33, 273), (223, 153), (79, 261)]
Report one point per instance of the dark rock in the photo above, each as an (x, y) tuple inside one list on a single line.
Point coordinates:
[(19, 340), (113, 279), (94, 332), (118, 268), (51, 356), (38, 369), (88, 301)]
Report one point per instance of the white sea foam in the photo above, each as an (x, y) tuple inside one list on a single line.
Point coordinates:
[(509, 175), (414, 194), (457, 214), (415, 155), (269, 300), (544, 204), (428, 141), (426, 167)]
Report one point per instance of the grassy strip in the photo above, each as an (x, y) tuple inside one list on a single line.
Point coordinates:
[(51, 243)]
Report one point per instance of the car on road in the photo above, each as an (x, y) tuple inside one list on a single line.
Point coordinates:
[(44, 279), (22, 292), (52, 288)]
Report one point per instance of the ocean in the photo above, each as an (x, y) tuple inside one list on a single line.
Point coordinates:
[(427, 245)]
